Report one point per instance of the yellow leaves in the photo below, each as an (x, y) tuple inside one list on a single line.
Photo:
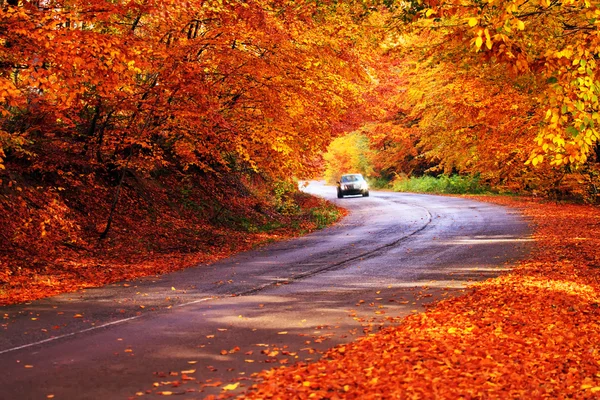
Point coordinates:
[(188, 371), (479, 40), (472, 21), (488, 39), (231, 386), (558, 160), (520, 25), (537, 160)]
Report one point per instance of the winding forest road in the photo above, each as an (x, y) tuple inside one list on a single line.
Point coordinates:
[(278, 304)]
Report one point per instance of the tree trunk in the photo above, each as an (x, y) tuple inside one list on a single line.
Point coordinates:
[(113, 207)]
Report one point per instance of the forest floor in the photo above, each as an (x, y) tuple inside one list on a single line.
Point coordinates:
[(533, 332)]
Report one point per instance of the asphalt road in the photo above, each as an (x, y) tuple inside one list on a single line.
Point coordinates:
[(185, 332)]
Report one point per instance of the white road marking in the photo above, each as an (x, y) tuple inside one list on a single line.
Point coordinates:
[(120, 321)]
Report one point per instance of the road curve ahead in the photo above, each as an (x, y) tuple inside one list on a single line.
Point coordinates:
[(278, 304)]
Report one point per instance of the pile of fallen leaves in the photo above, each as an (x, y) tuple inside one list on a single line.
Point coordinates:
[(531, 333)]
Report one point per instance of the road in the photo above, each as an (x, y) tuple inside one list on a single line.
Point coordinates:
[(286, 302)]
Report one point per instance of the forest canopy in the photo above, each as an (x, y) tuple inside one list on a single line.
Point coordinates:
[(503, 90), (507, 90)]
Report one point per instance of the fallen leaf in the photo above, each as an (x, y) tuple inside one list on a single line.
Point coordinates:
[(188, 371), (231, 386)]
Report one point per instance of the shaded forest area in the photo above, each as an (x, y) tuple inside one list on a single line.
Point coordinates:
[(138, 131)]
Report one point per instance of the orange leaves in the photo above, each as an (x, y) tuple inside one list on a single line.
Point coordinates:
[(232, 351), (562, 61), (208, 87)]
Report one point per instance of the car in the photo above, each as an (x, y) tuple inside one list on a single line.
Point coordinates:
[(352, 184)]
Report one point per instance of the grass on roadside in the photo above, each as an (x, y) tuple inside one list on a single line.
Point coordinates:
[(454, 184)]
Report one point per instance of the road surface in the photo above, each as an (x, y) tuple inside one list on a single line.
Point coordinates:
[(186, 332)]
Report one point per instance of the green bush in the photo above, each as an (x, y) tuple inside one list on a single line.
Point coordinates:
[(324, 216), (284, 198), (454, 184), (378, 183)]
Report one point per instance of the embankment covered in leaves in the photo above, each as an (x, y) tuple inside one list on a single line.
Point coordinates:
[(51, 237), (530, 333)]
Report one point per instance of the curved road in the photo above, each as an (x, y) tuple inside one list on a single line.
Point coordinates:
[(283, 303)]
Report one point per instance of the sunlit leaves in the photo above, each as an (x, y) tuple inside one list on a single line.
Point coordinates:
[(550, 40), (347, 154)]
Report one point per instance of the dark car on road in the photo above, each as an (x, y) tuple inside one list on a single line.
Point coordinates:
[(352, 184)]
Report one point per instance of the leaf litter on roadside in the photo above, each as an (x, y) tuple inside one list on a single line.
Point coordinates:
[(532, 332)]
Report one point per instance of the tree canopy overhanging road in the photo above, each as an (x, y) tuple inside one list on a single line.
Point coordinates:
[(278, 304)]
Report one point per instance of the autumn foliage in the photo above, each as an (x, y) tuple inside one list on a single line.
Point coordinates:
[(138, 137), (115, 112), (211, 86), (503, 90)]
